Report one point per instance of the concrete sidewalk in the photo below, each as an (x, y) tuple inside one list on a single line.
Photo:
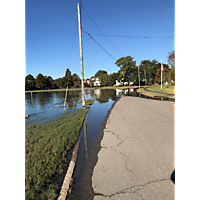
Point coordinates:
[(136, 159)]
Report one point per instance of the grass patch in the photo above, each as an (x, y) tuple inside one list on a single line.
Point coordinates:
[(150, 94), (165, 88), (90, 101), (47, 145)]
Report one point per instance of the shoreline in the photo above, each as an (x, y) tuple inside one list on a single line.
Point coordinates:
[(79, 89), (154, 94), (149, 95)]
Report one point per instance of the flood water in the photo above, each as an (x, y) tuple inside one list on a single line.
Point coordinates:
[(43, 106)]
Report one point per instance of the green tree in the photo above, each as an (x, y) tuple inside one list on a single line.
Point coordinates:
[(100, 72), (40, 81), (113, 77), (75, 78), (29, 78), (104, 79), (127, 67), (49, 81), (29, 82), (59, 82), (68, 73)]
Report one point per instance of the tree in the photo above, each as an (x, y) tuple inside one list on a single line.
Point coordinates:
[(59, 82), (104, 80), (127, 67), (49, 81), (77, 83), (29, 78), (68, 73), (40, 81), (171, 62), (100, 73), (146, 67), (64, 82), (164, 75), (75, 78), (171, 58), (113, 77), (29, 82)]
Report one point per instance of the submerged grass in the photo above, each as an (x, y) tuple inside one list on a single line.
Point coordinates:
[(47, 145), (90, 101)]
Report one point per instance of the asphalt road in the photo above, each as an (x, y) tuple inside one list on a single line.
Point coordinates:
[(136, 155)]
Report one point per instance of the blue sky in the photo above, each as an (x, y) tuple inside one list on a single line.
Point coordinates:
[(52, 41)]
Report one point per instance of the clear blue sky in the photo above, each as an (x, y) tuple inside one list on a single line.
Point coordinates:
[(52, 41)]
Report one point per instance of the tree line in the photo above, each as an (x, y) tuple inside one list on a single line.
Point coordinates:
[(47, 82), (150, 70)]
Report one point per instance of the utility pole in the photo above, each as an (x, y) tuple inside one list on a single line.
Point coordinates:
[(145, 76), (139, 74), (81, 55)]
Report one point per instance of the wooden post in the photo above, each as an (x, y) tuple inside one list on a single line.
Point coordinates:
[(65, 96), (145, 76), (81, 55), (139, 74)]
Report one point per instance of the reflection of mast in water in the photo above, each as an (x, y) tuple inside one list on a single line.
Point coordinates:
[(85, 135)]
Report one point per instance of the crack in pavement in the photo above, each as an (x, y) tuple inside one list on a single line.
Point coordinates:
[(121, 141), (124, 190), (109, 131)]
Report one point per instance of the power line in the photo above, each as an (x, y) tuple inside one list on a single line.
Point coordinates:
[(101, 31), (130, 36), (98, 44)]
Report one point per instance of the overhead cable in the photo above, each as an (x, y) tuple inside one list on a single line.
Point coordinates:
[(99, 44), (130, 36), (101, 31)]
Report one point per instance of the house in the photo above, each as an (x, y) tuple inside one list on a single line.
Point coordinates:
[(94, 81), (87, 81), (97, 82)]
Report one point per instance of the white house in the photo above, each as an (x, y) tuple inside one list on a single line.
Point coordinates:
[(97, 82)]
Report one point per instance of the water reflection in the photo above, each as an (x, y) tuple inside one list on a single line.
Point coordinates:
[(85, 136), (103, 95), (47, 105)]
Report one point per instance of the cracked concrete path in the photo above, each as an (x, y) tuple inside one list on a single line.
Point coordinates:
[(136, 158)]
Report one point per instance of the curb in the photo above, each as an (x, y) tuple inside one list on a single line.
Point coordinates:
[(66, 182)]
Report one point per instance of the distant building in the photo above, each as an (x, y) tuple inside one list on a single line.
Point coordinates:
[(119, 83), (97, 82), (94, 81)]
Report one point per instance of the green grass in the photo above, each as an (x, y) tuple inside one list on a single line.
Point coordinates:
[(151, 94), (165, 88), (47, 145), (90, 101)]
